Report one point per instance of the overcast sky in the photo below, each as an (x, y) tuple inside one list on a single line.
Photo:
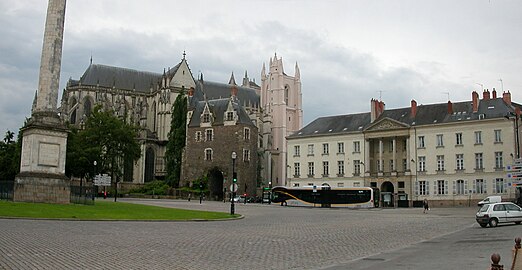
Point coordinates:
[(348, 52)]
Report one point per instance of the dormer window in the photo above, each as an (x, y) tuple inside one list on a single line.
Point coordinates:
[(206, 118), (230, 116)]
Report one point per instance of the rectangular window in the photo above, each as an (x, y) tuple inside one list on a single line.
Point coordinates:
[(356, 184), (340, 184), (310, 169), (498, 136), (297, 169), (423, 188), (326, 149), (340, 167), (480, 187), (206, 118), (392, 165), (357, 147), (460, 187), (198, 136), (441, 187), (340, 148), (458, 138), (209, 135), (325, 168), (460, 161), (379, 169), (208, 154), (478, 137), (421, 142), (297, 150), (230, 116), (390, 146), (310, 149), (498, 160), (440, 163), (422, 163), (356, 167), (440, 140), (247, 134), (499, 185), (404, 164), (479, 161), (246, 155)]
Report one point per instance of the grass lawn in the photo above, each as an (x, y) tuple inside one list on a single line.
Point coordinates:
[(103, 211)]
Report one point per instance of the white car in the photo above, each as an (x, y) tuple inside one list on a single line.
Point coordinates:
[(495, 213)]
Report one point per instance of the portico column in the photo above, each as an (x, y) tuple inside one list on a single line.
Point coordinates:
[(394, 146), (380, 155), (366, 156), (408, 158)]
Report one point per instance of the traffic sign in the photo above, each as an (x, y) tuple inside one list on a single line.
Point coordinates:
[(233, 187), (102, 180), (514, 168), (514, 175)]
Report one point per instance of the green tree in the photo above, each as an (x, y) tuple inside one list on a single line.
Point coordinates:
[(110, 141), (176, 136), (10, 153)]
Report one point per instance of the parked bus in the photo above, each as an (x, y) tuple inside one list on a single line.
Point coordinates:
[(324, 196)]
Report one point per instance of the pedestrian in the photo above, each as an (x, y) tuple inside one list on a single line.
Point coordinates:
[(425, 205), (189, 196)]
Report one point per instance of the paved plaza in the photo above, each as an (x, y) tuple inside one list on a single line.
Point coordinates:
[(267, 237)]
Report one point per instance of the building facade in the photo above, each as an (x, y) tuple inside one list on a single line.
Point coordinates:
[(146, 99), (451, 153)]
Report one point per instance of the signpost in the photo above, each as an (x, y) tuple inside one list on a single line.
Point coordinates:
[(515, 173), (102, 180)]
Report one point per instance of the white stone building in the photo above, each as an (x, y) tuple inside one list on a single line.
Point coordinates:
[(450, 153)]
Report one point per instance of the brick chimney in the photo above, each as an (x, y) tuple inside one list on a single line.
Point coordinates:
[(494, 92), (506, 96), (233, 90), (450, 107), (475, 100), (377, 108), (485, 95), (413, 108)]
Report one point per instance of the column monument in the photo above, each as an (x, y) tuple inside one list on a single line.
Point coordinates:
[(44, 138)]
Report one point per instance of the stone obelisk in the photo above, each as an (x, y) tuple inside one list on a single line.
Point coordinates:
[(42, 167)]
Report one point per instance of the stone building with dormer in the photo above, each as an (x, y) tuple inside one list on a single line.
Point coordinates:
[(449, 153)]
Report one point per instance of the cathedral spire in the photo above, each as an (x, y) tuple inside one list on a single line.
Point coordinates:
[(297, 72), (232, 80), (263, 72)]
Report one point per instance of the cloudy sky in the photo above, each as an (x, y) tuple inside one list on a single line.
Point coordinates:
[(348, 52)]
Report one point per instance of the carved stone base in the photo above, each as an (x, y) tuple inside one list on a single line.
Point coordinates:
[(41, 188)]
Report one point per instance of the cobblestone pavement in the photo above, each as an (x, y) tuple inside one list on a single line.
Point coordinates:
[(268, 237)]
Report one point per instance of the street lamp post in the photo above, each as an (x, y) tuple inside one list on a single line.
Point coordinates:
[(92, 191), (234, 156), (516, 114)]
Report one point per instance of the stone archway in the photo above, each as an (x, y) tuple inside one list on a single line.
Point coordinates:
[(215, 184), (387, 191)]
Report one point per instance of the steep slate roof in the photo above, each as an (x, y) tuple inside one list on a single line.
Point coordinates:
[(121, 78), (213, 90), (218, 107), (426, 115)]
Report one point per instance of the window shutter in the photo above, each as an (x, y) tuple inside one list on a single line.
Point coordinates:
[(485, 186), (446, 187), (427, 188), (417, 188), (465, 186), (454, 187), (474, 186), (505, 186), (494, 186), (435, 190)]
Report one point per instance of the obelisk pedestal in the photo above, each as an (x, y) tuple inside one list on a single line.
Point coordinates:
[(42, 167)]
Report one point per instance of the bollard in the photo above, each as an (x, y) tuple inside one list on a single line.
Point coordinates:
[(495, 259), (517, 257)]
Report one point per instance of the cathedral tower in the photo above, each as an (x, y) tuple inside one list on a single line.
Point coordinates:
[(281, 99)]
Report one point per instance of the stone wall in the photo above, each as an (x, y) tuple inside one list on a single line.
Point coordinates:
[(41, 188)]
